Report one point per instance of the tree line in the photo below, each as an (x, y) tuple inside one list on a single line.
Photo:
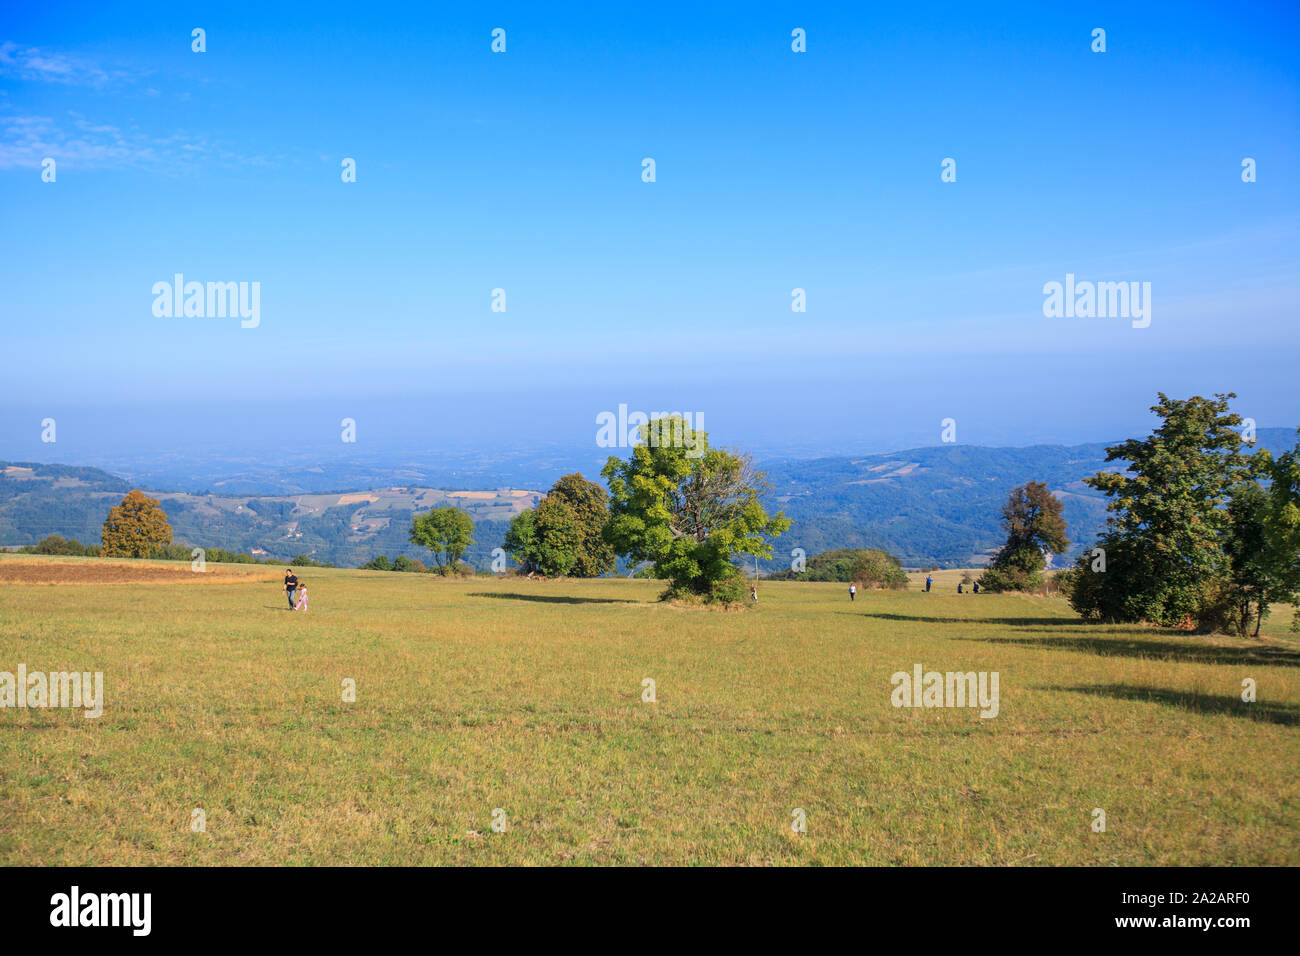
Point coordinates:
[(1202, 532), (682, 511)]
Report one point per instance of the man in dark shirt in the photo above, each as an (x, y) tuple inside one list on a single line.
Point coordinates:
[(290, 585)]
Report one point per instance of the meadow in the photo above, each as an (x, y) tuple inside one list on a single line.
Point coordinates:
[(480, 694)]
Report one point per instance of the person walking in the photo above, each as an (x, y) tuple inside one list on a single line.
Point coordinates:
[(853, 593), (928, 581), (290, 585), (302, 599)]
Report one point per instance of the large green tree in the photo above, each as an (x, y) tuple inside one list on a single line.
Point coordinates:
[(134, 528), (689, 509), (1261, 542), (447, 532), (1162, 552), (564, 535), (1249, 585), (1034, 525), (1266, 554)]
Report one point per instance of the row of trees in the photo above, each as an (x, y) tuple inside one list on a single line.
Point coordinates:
[(867, 567), (57, 544), (400, 563), (682, 508), (138, 528), (1201, 532)]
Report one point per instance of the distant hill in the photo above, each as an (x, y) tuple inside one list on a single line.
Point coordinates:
[(38, 500), (938, 505), (346, 529)]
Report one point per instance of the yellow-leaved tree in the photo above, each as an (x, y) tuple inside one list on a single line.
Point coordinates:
[(135, 527)]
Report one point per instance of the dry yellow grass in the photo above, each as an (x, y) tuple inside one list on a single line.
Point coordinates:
[(527, 696)]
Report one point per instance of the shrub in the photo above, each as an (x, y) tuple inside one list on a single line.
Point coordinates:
[(55, 544), (1008, 578)]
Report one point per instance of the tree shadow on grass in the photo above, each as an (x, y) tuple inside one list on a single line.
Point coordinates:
[(1288, 715), (1008, 621), (1163, 647), (550, 598)]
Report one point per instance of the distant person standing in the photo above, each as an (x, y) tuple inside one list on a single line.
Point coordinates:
[(853, 593), (753, 592), (959, 587), (928, 581), (290, 585), (976, 587)]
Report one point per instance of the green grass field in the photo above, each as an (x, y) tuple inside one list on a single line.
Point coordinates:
[(480, 694)]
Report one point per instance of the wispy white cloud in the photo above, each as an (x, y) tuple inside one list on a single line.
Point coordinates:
[(54, 66), (25, 140)]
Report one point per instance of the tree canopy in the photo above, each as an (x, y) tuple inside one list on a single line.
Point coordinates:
[(1034, 524), (564, 534), (448, 532), (134, 528), (689, 509), (1198, 531)]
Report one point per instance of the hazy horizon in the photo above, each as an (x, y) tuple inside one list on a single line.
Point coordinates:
[(781, 177)]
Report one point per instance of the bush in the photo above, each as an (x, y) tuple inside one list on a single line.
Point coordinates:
[(868, 567), (168, 552), (1007, 578), (222, 556), (732, 588), (55, 544), (878, 569)]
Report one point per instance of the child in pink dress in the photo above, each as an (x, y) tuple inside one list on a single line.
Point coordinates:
[(302, 598)]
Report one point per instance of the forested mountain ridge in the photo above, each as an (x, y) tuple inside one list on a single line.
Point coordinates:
[(938, 505), (942, 504)]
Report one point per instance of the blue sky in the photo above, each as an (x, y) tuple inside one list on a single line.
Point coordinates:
[(522, 171)]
